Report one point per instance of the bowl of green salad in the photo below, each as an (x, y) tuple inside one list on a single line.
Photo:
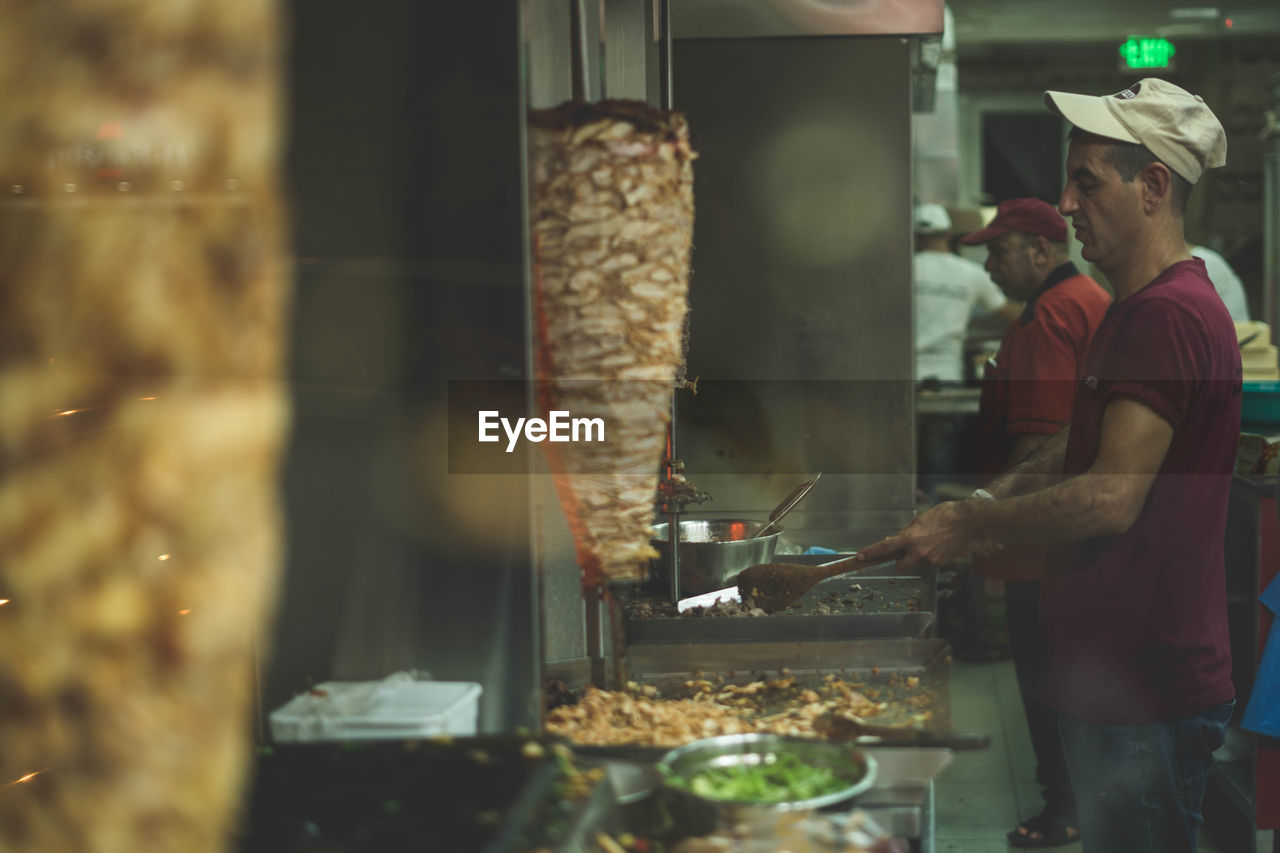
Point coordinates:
[(730, 777)]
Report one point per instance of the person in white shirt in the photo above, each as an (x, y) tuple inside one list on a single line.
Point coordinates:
[(1225, 281), (949, 289)]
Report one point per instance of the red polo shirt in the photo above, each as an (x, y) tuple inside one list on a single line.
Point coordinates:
[(1134, 625), (1029, 385)]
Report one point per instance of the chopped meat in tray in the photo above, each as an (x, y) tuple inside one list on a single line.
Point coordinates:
[(673, 711)]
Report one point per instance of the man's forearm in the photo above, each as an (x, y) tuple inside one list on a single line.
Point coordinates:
[(1041, 469), (1107, 499), (1079, 508)]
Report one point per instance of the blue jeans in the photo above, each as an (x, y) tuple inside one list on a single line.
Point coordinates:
[(1139, 789)]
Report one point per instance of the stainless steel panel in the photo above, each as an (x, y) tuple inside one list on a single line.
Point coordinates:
[(800, 329), (548, 26), (628, 28)]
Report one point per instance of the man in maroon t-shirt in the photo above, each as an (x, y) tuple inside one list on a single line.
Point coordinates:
[(1026, 397), (1133, 494)]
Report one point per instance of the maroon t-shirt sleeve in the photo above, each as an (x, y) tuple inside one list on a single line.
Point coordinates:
[(1154, 359), (1043, 375)]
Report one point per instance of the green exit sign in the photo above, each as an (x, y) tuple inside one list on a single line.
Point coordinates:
[(1147, 52)]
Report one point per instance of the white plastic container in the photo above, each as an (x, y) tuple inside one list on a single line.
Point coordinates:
[(395, 708)]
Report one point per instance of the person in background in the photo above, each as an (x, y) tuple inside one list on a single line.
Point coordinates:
[(1225, 281), (1132, 496), (948, 290), (1026, 397)]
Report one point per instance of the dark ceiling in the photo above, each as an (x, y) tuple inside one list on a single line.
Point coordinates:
[(987, 22)]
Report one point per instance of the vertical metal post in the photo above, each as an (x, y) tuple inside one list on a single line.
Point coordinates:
[(1271, 210), (652, 78), (584, 45), (672, 509), (584, 39), (577, 54), (664, 101), (593, 599), (665, 92), (259, 709), (617, 638)]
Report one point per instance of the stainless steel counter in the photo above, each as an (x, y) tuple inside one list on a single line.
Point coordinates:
[(948, 401)]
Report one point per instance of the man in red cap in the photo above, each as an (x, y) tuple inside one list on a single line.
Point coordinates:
[(1026, 397), (1132, 497)]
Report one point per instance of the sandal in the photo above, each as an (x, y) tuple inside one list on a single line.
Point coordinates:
[(1042, 831)]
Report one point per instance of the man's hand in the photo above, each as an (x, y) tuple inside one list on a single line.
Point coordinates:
[(937, 537)]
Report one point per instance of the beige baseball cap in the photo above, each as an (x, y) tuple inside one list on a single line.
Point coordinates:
[(1175, 125)]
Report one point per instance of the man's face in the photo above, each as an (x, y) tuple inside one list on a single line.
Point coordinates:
[(1104, 210), (1009, 265)]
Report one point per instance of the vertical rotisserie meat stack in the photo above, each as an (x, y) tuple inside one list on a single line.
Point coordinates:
[(611, 200), (143, 290)]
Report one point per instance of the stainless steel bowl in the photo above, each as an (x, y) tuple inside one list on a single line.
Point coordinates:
[(703, 814), (637, 789), (712, 552)]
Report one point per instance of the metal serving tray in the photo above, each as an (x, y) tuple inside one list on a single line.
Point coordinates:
[(836, 609), (911, 675)]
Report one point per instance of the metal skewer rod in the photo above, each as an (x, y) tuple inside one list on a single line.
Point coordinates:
[(593, 598), (672, 508), (577, 50), (665, 88), (618, 638)]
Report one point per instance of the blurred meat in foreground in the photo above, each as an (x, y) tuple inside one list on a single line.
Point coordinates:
[(142, 293)]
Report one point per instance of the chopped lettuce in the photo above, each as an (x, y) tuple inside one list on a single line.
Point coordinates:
[(785, 778)]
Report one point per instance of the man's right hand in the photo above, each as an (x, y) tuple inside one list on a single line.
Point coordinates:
[(936, 538)]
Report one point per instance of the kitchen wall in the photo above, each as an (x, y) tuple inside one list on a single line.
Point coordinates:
[(800, 329)]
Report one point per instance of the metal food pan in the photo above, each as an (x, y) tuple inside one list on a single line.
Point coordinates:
[(887, 592), (912, 675), (883, 669), (778, 628), (844, 609), (864, 594)]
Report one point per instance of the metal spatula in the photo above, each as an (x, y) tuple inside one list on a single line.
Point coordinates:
[(788, 504)]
